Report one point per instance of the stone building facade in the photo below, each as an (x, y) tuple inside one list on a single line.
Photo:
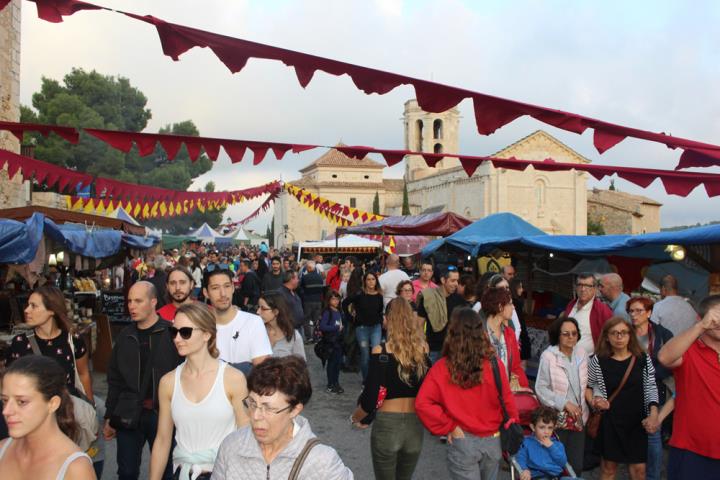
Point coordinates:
[(13, 192), (623, 213)]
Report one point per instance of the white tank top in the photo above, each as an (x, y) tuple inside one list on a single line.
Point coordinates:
[(204, 425), (63, 468)]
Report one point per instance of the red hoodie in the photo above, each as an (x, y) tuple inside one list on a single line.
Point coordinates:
[(599, 314), (442, 405)]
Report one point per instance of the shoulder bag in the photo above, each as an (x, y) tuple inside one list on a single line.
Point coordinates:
[(511, 434), (593, 423), (300, 460), (83, 410)]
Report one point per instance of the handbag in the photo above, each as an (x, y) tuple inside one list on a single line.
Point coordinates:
[(83, 409), (511, 434), (128, 408), (593, 424)]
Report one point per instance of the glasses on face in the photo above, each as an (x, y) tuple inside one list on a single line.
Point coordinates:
[(619, 333), (636, 310), (406, 290), (252, 406), (220, 266), (185, 332), (571, 334), (583, 286)]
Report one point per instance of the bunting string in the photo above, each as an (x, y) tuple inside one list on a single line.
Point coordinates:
[(339, 214), (491, 112)]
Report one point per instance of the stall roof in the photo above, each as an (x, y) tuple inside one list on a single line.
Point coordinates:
[(348, 243), (439, 224), (60, 216)]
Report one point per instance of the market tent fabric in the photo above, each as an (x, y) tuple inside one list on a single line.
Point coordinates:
[(176, 241), (347, 243), (121, 214), (238, 236), (19, 241), (692, 282), (60, 216), (206, 234), (439, 224), (485, 234)]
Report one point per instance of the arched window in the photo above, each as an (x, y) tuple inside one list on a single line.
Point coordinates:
[(540, 194), (437, 129), (419, 146), (438, 148)]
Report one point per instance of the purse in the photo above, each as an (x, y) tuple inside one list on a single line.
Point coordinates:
[(593, 424), (511, 434)]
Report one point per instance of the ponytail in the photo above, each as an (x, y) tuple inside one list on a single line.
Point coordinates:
[(65, 416)]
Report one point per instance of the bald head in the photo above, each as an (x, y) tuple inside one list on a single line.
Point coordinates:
[(392, 262), (611, 286), (142, 300), (144, 288)]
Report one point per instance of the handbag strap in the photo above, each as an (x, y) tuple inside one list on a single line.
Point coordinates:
[(624, 379), (300, 460), (33, 343), (498, 385), (148, 371)]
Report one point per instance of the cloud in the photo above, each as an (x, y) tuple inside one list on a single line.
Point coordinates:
[(644, 64)]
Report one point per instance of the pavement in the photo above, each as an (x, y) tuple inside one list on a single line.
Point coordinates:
[(328, 415)]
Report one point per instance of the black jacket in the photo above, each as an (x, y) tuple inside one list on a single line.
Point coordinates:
[(250, 288), (123, 373)]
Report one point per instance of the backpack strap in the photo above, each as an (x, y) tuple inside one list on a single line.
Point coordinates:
[(33, 343), (300, 460)]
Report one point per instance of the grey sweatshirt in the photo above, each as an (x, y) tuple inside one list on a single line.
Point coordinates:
[(240, 458)]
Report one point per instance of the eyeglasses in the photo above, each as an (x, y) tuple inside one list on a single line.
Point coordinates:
[(572, 334), (221, 266), (582, 286), (619, 334), (252, 406), (185, 332), (636, 310), (406, 290)]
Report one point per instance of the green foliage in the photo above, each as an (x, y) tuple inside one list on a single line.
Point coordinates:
[(181, 225), (612, 185), (594, 226), (406, 201), (92, 100), (376, 204)]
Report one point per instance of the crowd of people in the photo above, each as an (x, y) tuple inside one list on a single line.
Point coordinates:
[(211, 373)]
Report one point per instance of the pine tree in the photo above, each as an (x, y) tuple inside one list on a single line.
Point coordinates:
[(376, 204), (406, 201)]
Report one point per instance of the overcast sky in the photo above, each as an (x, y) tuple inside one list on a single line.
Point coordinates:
[(652, 65)]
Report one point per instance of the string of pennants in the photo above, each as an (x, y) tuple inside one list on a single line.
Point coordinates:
[(337, 213), (491, 112)]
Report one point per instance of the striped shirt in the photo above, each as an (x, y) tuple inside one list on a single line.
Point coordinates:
[(596, 381)]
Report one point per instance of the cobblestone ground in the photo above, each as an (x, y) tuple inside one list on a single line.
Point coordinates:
[(328, 415)]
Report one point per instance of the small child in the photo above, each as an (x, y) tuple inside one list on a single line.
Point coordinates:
[(540, 456), (331, 328)]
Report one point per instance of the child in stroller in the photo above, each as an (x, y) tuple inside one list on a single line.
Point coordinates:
[(541, 456)]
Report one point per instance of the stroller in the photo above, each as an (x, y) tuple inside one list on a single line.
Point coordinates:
[(526, 403)]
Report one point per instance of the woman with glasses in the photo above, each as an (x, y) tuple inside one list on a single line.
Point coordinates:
[(652, 337), (561, 382), (284, 339), (622, 437), (277, 435), (201, 398)]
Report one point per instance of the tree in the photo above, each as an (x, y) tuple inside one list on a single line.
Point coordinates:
[(182, 224), (271, 237), (595, 226), (376, 204), (406, 201), (612, 185)]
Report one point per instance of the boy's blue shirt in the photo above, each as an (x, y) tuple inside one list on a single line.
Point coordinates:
[(541, 461)]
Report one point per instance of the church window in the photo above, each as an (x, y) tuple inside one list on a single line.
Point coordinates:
[(353, 202), (419, 146), (540, 194), (438, 148), (437, 129)]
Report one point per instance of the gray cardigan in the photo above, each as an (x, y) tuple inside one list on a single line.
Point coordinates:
[(240, 458)]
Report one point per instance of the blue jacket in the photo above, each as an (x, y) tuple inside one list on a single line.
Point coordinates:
[(541, 461)]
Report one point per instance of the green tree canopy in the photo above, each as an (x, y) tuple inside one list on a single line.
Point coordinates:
[(93, 100), (376, 204)]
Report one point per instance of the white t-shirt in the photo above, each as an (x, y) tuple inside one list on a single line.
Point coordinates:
[(243, 339), (582, 316), (389, 282)]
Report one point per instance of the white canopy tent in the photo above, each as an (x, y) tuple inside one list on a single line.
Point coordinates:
[(206, 234), (347, 242)]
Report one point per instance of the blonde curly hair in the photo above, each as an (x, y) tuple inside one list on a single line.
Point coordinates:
[(406, 341)]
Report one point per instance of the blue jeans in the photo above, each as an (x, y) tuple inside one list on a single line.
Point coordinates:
[(367, 338), (130, 445), (654, 456)]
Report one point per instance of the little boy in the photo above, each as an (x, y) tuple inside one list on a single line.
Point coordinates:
[(540, 456)]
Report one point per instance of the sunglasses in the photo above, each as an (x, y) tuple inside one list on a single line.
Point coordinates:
[(185, 332)]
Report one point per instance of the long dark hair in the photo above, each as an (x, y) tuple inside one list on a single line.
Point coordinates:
[(328, 296), (378, 288), (355, 282), (466, 347), (49, 378), (54, 301), (284, 319)]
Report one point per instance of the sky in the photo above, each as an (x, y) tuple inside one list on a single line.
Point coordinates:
[(652, 65)]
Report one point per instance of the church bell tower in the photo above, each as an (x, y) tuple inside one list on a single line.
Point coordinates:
[(429, 132)]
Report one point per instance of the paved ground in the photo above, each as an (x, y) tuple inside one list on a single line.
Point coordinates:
[(328, 415)]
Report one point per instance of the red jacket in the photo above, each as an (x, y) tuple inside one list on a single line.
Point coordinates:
[(442, 405), (599, 314), (513, 353), (333, 278)]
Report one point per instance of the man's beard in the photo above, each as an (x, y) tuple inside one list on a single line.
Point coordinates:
[(181, 299)]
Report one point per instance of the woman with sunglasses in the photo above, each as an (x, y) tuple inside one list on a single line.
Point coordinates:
[(561, 382), (622, 437), (201, 398), (652, 338)]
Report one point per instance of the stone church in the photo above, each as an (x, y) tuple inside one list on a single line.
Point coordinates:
[(556, 202)]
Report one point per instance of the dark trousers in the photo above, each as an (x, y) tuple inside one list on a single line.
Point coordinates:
[(684, 464), (334, 363), (130, 445), (312, 318)]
